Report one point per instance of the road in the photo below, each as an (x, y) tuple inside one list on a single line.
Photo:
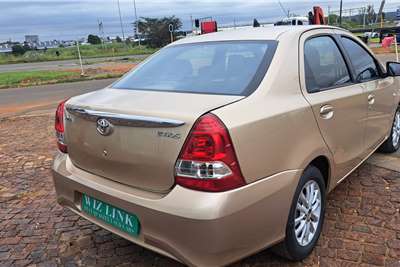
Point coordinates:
[(40, 98), (386, 57), (98, 62), (44, 98), (66, 64)]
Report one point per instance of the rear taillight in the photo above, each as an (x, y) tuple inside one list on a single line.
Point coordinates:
[(208, 161), (59, 126)]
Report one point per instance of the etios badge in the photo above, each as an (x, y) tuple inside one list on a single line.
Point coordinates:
[(104, 127)]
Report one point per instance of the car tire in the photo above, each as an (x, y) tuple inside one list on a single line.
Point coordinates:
[(291, 247), (392, 144)]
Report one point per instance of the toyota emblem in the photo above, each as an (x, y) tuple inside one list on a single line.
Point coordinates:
[(104, 127)]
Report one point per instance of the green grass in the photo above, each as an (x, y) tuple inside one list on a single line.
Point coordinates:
[(31, 78), (351, 25), (87, 51), (374, 40), (13, 79)]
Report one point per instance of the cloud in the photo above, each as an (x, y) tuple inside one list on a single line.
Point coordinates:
[(62, 19)]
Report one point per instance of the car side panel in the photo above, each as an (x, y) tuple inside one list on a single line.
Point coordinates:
[(380, 112), (271, 140), (274, 129), (344, 132), (381, 108), (385, 92)]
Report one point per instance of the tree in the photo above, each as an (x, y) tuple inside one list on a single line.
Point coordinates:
[(93, 39), (118, 39), (156, 30), (371, 16), (27, 47), (333, 19), (18, 50)]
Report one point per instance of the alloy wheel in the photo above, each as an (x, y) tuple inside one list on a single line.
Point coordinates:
[(308, 212), (396, 129)]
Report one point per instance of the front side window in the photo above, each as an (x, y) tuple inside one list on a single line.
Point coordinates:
[(324, 64), (363, 62), (228, 68)]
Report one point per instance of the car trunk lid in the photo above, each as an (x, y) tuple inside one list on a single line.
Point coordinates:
[(146, 134)]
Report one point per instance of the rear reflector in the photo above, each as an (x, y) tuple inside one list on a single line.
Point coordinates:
[(59, 126), (208, 161)]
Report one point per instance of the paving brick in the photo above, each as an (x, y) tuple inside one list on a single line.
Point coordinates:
[(349, 255), (394, 244), (361, 228), (335, 243), (375, 249), (4, 255), (10, 240), (374, 259)]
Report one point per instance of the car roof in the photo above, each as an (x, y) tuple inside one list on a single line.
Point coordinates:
[(259, 33)]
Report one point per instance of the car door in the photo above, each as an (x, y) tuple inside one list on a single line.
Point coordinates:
[(378, 92), (337, 101)]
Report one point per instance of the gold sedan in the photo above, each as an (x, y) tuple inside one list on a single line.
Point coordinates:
[(224, 144)]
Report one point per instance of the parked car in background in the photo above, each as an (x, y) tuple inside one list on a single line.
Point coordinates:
[(371, 34), (294, 21), (224, 144)]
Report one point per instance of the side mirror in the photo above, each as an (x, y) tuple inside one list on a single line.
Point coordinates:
[(393, 69)]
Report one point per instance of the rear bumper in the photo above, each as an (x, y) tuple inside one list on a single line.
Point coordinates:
[(196, 228)]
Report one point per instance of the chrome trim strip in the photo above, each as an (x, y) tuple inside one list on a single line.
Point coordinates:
[(124, 119)]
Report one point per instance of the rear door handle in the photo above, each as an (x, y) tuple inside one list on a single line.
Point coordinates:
[(371, 99), (326, 112)]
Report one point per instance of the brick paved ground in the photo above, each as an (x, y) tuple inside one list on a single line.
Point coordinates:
[(362, 225)]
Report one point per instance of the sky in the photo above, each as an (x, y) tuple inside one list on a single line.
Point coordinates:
[(73, 19)]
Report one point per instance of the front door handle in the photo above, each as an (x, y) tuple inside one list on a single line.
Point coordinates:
[(371, 99), (326, 112)]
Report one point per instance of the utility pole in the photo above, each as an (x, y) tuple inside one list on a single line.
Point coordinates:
[(396, 48), (191, 22), (120, 21), (136, 22), (80, 58), (380, 13), (364, 16), (171, 31), (340, 12), (101, 31), (329, 14), (380, 16)]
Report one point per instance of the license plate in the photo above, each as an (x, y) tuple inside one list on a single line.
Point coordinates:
[(116, 217)]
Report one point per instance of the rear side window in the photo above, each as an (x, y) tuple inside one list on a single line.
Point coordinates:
[(228, 68), (324, 64), (362, 61)]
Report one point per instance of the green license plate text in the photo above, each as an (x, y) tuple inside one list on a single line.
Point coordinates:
[(111, 215)]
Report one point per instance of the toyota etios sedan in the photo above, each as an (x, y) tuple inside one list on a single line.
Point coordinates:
[(224, 144)]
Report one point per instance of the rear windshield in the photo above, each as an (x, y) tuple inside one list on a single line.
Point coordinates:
[(228, 68)]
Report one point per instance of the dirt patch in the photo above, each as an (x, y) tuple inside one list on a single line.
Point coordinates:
[(112, 68), (382, 50)]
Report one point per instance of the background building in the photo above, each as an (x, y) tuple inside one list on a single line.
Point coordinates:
[(32, 40)]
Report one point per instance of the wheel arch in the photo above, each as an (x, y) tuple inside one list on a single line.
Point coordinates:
[(322, 163)]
